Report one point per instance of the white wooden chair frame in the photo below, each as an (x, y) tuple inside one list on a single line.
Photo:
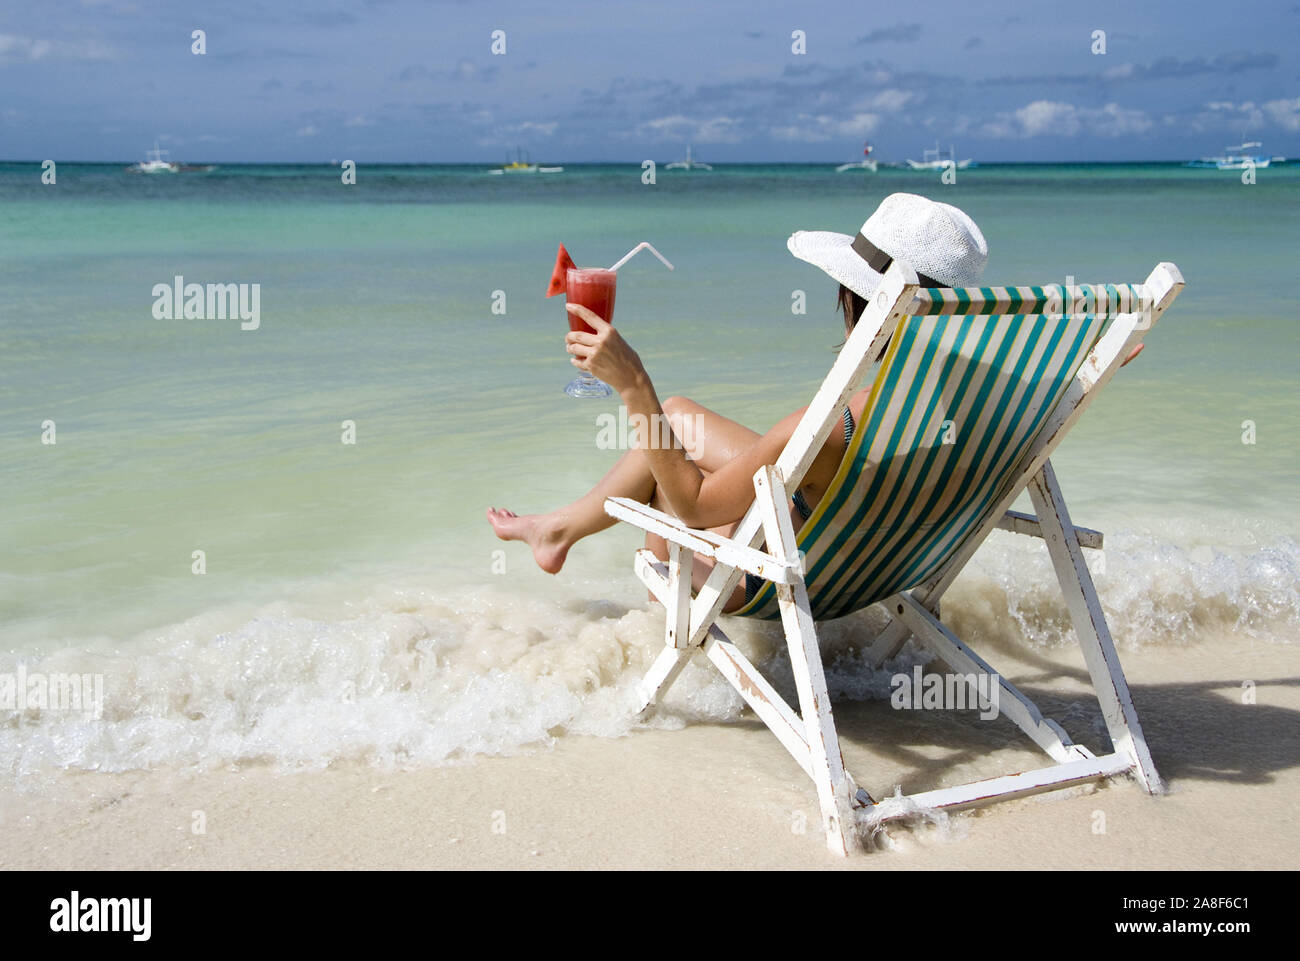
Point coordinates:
[(810, 735)]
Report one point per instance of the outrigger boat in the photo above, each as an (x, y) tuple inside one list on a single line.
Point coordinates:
[(688, 164), (936, 160), (864, 164), (154, 163), (522, 164), (1235, 158)]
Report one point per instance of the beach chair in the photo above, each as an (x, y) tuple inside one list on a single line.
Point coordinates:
[(976, 389)]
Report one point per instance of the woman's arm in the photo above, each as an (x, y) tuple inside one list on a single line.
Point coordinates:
[(722, 497)]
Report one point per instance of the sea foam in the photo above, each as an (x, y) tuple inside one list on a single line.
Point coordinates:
[(415, 673)]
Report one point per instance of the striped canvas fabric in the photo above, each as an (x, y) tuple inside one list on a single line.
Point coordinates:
[(957, 403)]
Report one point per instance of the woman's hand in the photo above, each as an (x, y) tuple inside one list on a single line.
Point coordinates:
[(604, 354)]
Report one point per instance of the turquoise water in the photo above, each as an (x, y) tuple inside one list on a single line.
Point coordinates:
[(175, 436)]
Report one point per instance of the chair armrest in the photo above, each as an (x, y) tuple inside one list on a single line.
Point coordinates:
[(723, 550), (1019, 523)]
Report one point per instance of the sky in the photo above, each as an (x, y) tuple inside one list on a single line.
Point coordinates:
[(406, 81)]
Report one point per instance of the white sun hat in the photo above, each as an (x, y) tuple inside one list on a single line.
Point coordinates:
[(941, 243)]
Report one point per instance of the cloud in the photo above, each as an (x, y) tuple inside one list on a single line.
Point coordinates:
[(1285, 113), (307, 131), (1225, 115), (718, 129), (820, 128), (1166, 68), (972, 43), (463, 70), (1230, 63), (532, 128), (899, 33), (891, 100), (1042, 118), (17, 49)]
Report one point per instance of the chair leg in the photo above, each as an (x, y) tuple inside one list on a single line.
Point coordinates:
[(896, 634), (1090, 625), (662, 673), (835, 791)]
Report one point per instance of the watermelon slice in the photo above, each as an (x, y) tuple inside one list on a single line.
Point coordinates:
[(562, 264)]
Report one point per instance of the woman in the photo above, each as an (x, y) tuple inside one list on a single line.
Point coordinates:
[(712, 486)]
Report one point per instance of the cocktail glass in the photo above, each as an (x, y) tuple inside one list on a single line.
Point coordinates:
[(595, 289)]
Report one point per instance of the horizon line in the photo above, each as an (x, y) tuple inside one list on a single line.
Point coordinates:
[(612, 163)]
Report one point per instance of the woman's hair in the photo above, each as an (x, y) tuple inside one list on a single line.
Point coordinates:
[(851, 304)]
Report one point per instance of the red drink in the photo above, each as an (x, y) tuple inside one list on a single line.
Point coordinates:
[(593, 288)]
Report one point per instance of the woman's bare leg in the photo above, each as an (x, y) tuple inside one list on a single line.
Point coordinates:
[(720, 439), (710, 439)]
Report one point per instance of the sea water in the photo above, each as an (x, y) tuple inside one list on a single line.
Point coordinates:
[(270, 542)]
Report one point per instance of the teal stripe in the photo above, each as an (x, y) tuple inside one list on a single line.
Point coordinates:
[(972, 368), (892, 513), (867, 501), (847, 492), (871, 569), (881, 561), (963, 387), (1003, 429), (1068, 368)]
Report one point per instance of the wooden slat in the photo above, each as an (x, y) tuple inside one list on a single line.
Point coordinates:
[(770, 707), (1010, 785), (677, 625), (827, 764), (733, 665), (721, 549), (1091, 629), (1055, 299), (1012, 703), (1027, 524)]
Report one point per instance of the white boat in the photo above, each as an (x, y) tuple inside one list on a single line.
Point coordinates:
[(688, 164), (522, 164), (1236, 157), (936, 159), (865, 164), (154, 164)]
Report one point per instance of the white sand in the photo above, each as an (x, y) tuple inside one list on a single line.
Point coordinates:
[(727, 795)]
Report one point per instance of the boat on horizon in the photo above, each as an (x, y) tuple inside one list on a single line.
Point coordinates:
[(155, 164), (866, 163), (1236, 158), (689, 163), (522, 164), (936, 159)]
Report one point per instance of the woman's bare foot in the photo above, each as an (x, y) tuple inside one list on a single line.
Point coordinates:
[(542, 532)]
